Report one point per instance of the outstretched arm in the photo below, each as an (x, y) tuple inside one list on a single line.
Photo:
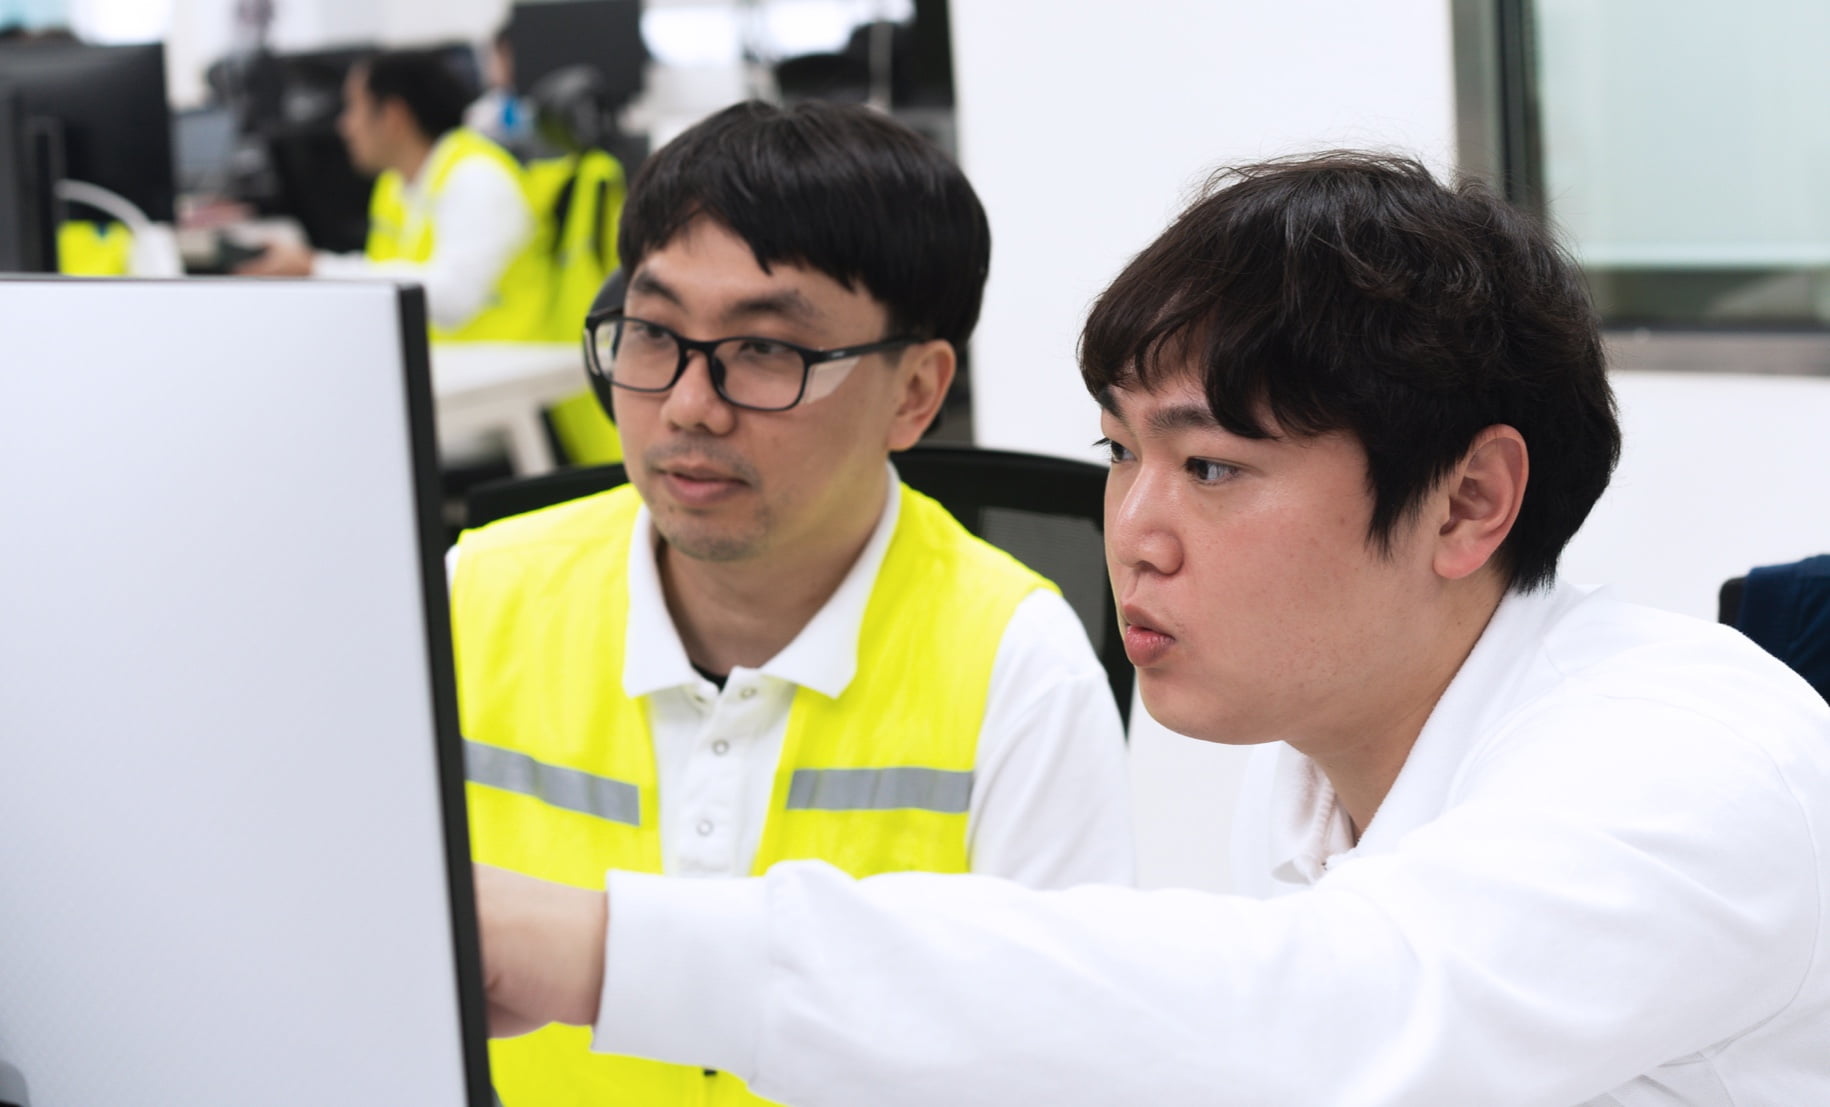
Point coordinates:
[(543, 950)]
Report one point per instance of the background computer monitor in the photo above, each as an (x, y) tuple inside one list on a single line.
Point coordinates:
[(233, 864), (606, 35), (28, 221), (203, 149), (110, 102)]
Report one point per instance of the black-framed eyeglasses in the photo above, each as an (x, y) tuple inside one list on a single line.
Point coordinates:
[(748, 371)]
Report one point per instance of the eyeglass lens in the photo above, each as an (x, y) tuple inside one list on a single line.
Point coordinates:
[(757, 372)]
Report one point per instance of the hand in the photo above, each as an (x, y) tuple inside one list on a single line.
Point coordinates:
[(282, 259), (543, 950)]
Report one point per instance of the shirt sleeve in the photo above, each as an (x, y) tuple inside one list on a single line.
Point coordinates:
[(481, 221), (1050, 801), (1553, 935)]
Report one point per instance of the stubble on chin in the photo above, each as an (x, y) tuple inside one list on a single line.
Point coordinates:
[(708, 541)]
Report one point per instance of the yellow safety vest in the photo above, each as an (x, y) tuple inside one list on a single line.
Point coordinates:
[(584, 254), (517, 309), (561, 762), (86, 249)]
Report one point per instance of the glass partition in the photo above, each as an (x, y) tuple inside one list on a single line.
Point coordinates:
[(1685, 153)]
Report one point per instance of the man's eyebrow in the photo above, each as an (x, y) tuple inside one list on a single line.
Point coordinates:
[(1163, 420), (648, 284), (788, 303)]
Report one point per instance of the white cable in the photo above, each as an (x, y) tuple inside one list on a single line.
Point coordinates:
[(112, 204)]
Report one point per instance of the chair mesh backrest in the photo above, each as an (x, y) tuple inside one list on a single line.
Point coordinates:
[(1069, 551), (1047, 512), (498, 499)]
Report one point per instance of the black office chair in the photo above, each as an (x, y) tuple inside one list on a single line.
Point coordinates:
[(498, 499), (1728, 600), (1047, 512), (1785, 609)]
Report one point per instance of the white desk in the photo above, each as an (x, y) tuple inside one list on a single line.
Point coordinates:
[(499, 388)]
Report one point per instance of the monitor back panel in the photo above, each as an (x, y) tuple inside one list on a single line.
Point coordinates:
[(230, 868), (550, 35)]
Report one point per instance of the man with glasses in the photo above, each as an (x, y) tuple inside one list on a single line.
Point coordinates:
[(766, 648)]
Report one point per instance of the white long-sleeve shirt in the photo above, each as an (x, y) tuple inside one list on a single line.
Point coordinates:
[(1049, 805), (480, 220), (1602, 877)]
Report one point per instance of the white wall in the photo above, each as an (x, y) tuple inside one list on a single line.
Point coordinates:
[(1086, 125), (1718, 473)]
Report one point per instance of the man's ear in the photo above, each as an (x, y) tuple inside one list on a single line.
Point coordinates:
[(926, 372), (1480, 501)]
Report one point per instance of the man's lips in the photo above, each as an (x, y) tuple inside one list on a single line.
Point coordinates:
[(699, 485), (1145, 643), (698, 473)]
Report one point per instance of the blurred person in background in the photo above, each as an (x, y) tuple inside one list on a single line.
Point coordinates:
[(500, 114), (450, 208)]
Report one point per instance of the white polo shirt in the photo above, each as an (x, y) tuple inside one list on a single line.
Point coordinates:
[(1602, 877), (480, 221)]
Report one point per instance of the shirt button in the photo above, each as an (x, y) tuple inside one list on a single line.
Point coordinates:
[(749, 692), (721, 747), (705, 828)]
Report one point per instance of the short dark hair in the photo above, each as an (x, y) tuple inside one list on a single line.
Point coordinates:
[(839, 188), (1352, 292), (424, 82)]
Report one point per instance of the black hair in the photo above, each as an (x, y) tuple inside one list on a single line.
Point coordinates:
[(424, 82), (838, 188), (1352, 292)]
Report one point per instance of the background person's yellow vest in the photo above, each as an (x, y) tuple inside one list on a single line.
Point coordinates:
[(584, 254), (561, 761), (519, 306), (582, 194), (86, 249)]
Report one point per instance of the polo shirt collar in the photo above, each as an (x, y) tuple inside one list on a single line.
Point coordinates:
[(444, 148), (1309, 830), (823, 656)]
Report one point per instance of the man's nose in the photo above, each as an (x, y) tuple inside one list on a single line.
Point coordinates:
[(1139, 531), (694, 400)]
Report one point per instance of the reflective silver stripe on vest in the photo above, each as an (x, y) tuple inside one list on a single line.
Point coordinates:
[(614, 801), (939, 790)]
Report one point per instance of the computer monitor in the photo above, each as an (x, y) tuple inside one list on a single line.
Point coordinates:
[(319, 186), (110, 102), (233, 860), (551, 35), (203, 149), (28, 220)]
